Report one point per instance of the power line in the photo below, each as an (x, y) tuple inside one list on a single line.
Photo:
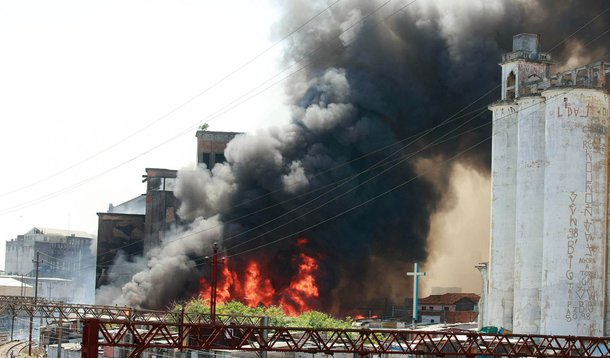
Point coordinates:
[(174, 110), (445, 161), (596, 38), (580, 28), (377, 196), (233, 104), (340, 181), (469, 130), (417, 136)]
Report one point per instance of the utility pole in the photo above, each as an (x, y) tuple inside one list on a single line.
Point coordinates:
[(37, 262), (416, 273), (214, 281), (12, 323), (60, 334)]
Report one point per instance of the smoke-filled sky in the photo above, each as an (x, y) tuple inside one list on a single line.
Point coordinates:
[(369, 76)]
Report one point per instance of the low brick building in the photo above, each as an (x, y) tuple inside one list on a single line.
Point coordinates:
[(449, 308)]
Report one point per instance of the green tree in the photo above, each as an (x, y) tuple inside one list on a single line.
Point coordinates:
[(277, 317)]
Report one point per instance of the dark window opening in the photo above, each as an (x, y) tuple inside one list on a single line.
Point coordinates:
[(582, 77), (205, 158), (510, 86), (219, 158)]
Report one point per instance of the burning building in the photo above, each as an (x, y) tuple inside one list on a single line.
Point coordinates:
[(379, 90), (211, 146), (549, 239), (120, 231), (128, 231)]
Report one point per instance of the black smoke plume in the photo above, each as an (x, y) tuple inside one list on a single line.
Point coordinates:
[(372, 78)]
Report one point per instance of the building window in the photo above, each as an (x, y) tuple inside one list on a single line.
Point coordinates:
[(219, 158), (510, 86), (205, 158)]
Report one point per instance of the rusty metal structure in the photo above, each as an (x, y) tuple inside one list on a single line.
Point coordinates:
[(140, 330), (26, 306), (140, 336)]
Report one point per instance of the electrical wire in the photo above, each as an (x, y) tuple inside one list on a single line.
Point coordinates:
[(470, 130), (443, 162), (175, 109), (233, 104), (418, 136), (571, 35), (580, 28), (479, 110), (340, 182)]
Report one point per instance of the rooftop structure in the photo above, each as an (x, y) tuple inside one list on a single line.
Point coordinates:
[(211, 146)]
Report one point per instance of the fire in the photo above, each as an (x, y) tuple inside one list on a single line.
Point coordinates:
[(301, 287), (257, 290), (254, 287)]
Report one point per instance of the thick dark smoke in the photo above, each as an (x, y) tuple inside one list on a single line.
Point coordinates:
[(385, 79)]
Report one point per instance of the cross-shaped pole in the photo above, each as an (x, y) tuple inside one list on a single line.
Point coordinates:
[(415, 275)]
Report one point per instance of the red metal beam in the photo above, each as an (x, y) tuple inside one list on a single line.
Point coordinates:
[(140, 336), (90, 341), (23, 306)]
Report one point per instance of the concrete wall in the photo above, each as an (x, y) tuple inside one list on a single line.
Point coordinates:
[(117, 233), (161, 205), (575, 202), (19, 256), (503, 170), (529, 214)]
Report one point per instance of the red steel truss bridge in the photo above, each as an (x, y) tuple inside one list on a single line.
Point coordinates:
[(140, 330), (27, 306), (141, 336)]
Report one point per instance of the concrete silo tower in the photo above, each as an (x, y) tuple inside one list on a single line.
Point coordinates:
[(548, 271), (576, 210), (517, 183)]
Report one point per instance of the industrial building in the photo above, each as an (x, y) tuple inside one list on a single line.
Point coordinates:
[(211, 146), (66, 265), (449, 308), (548, 271), (140, 224), (121, 229)]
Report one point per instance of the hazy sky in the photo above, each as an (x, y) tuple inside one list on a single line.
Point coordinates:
[(79, 77)]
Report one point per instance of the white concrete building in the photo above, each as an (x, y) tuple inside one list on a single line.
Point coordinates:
[(549, 234), (67, 267)]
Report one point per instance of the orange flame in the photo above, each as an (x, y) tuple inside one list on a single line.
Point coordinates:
[(301, 288), (255, 288)]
